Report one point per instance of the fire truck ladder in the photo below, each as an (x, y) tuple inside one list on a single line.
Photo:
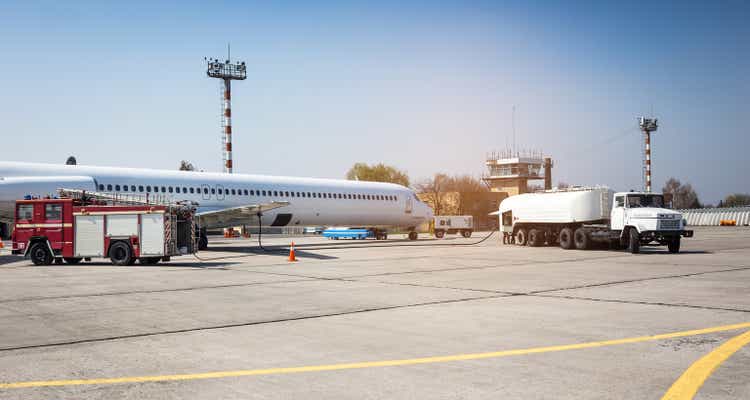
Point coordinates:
[(123, 198)]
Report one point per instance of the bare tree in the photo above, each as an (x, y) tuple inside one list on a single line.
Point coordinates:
[(186, 166), (736, 200), (683, 196), (433, 191), (464, 184)]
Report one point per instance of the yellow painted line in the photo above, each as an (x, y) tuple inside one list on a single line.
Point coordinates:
[(369, 364), (691, 381)]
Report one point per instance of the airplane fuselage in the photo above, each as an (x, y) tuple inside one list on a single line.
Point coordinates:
[(311, 201)]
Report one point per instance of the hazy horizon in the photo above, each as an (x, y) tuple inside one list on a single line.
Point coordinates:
[(426, 88)]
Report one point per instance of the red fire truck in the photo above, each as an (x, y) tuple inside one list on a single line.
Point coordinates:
[(75, 229)]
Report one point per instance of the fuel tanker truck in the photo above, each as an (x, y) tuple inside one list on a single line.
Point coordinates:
[(579, 217)]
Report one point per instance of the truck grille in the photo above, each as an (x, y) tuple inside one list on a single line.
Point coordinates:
[(669, 224)]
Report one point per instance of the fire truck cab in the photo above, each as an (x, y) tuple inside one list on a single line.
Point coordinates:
[(56, 229)]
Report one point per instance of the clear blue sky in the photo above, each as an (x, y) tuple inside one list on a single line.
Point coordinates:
[(426, 86)]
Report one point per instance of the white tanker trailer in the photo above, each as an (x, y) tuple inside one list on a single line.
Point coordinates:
[(577, 217)]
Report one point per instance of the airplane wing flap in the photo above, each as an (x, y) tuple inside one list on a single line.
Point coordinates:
[(225, 217)]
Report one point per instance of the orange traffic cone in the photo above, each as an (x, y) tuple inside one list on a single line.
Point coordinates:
[(1, 244), (292, 256)]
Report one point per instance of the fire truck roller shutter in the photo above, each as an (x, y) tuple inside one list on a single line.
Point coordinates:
[(89, 231), (152, 235), (122, 225)]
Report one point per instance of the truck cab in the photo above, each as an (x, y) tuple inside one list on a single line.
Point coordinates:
[(643, 218)]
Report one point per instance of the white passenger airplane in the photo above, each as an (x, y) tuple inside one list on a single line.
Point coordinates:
[(226, 200)]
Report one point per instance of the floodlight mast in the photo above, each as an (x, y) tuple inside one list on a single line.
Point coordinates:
[(227, 72), (647, 126)]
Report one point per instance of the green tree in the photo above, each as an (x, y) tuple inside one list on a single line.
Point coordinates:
[(737, 200), (377, 173), (683, 196)]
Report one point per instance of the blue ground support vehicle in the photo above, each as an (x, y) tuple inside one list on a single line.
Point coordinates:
[(348, 234)]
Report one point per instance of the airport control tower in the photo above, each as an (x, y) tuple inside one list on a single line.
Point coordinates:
[(510, 171)]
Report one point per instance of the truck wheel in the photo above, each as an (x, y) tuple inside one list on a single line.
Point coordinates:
[(634, 241), (39, 254), (73, 261), (521, 237), (581, 239), (412, 235), (535, 238), (674, 245), (120, 254), (439, 234), (466, 234), (566, 238)]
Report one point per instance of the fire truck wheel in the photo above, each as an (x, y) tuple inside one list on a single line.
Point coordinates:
[(40, 254), (73, 261), (466, 234), (439, 234), (120, 253)]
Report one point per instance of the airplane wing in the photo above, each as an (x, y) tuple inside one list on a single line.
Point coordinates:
[(236, 215)]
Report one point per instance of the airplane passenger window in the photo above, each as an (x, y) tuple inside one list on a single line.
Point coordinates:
[(117, 188), (171, 189), (213, 190), (246, 192), (252, 192), (132, 188), (109, 188), (140, 188), (234, 192), (192, 190), (148, 188), (101, 186), (286, 194), (205, 190), (163, 189)]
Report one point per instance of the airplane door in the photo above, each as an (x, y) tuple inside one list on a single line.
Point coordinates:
[(409, 204), (219, 192), (206, 192)]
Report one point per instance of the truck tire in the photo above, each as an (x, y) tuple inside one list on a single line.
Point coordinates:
[(466, 234), (634, 241), (39, 254), (439, 234), (521, 237), (536, 238), (581, 239), (674, 245), (120, 254), (412, 235), (566, 238)]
